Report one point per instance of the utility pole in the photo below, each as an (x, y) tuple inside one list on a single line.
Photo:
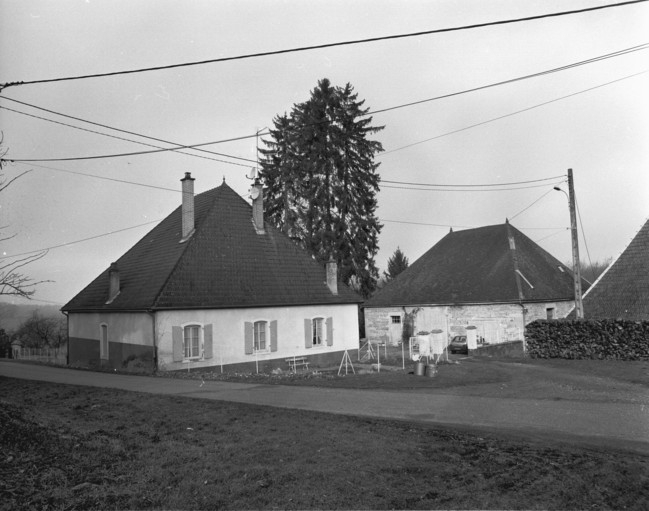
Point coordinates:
[(576, 270)]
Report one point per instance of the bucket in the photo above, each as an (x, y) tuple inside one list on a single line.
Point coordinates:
[(431, 370), (420, 368)]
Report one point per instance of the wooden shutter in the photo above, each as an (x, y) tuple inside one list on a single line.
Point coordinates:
[(248, 338), (207, 341), (273, 336), (177, 341), (330, 331), (308, 334)]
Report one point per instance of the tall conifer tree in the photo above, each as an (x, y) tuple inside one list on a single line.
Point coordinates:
[(320, 175)]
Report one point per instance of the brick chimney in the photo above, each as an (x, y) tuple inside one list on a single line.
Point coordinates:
[(332, 276), (257, 194), (187, 206), (113, 282)]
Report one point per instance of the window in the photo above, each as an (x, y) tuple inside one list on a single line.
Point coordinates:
[(191, 341), (396, 320), (550, 312), (260, 336), (103, 341), (318, 334)]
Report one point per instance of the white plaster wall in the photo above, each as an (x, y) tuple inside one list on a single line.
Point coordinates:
[(228, 332), (124, 327)]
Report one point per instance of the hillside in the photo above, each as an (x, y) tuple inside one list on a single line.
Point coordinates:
[(12, 316)]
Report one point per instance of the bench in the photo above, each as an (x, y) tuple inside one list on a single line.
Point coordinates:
[(295, 362)]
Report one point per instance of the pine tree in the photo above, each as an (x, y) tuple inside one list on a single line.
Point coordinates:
[(396, 264), (319, 172)]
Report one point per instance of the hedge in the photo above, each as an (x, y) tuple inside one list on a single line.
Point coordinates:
[(588, 339)]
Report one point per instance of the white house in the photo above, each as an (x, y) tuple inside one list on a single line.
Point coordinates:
[(213, 285)]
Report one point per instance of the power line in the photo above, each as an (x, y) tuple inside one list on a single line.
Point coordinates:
[(80, 241), (17, 160), (528, 207), (472, 186), (583, 235), (553, 234), (625, 51), (116, 129), (464, 189), (326, 45), (116, 137), (196, 147), (465, 226), (102, 177), (511, 114)]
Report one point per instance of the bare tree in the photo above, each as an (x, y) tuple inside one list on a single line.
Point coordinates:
[(43, 332), (12, 279)]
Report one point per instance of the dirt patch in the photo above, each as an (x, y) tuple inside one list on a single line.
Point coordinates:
[(71, 447)]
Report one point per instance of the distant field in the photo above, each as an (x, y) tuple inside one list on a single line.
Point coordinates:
[(68, 447)]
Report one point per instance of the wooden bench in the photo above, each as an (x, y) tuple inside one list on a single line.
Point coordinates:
[(295, 362)]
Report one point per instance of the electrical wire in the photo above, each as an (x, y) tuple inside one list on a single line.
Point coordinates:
[(511, 114), (625, 51), (463, 190), (553, 234), (327, 45), (102, 177), (17, 160), (80, 241), (537, 200), (118, 138), (196, 147), (472, 186), (583, 236), (116, 129)]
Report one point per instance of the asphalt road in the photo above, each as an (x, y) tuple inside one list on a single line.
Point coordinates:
[(617, 425)]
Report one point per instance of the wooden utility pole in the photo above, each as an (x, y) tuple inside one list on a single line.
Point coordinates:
[(576, 270)]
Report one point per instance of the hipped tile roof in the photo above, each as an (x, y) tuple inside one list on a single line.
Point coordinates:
[(477, 266), (225, 264), (622, 291)]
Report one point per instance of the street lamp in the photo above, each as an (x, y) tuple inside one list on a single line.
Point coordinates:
[(576, 270)]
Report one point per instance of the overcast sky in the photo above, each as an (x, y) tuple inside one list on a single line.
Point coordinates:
[(602, 133)]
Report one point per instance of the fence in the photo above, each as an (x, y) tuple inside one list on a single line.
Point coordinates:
[(48, 355)]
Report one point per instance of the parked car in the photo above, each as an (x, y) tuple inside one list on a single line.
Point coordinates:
[(459, 345)]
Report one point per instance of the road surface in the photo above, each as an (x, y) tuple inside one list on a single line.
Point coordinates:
[(611, 424)]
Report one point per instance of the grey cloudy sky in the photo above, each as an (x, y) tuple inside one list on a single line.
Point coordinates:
[(601, 133)]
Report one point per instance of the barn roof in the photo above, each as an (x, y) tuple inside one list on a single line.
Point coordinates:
[(622, 291), (492, 264)]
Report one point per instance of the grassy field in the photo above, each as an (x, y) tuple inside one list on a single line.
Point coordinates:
[(68, 447)]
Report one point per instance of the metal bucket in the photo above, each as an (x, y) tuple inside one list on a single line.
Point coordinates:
[(420, 369), (431, 370)]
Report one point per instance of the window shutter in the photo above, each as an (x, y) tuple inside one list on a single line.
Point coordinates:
[(330, 331), (248, 339), (273, 336), (207, 341), (177, 341), (308, 334)]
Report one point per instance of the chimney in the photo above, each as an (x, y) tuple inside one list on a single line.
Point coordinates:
[(187, 206), (332, 276), (113, 282), (257, 194)]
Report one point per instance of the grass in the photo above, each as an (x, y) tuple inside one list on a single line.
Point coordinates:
[(69, 447)]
